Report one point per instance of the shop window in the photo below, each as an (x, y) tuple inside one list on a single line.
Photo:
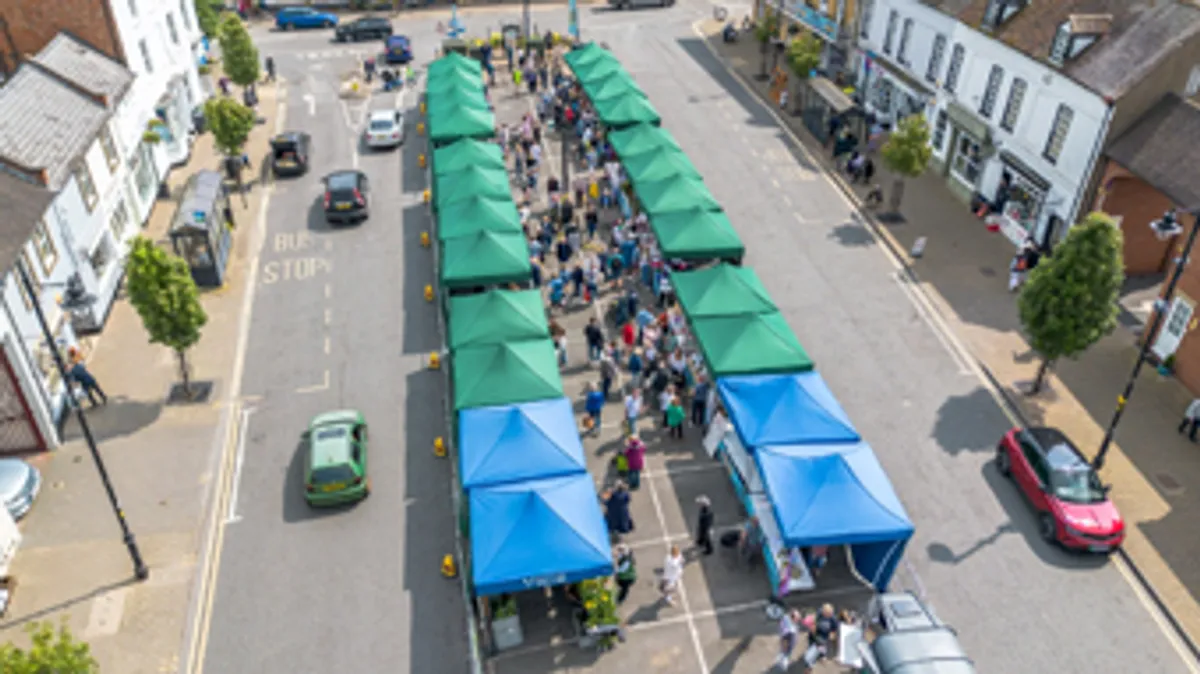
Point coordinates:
[(890, 36), (43, 243), (881, 95), (109, 147), (967, 163), (133, 8), (868, 13), (183, 14), (171, 30), (1024, 200), (146, 62), (142, 169), (1058, 133), (935, 59), (905, 36), (988, 105), (118, 222), (33, 280), (101, 258), (87, 188), (957, 56), (939, 130), (1012, 109)]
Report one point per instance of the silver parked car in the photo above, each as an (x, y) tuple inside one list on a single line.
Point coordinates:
[(385, 129), (19, 486)]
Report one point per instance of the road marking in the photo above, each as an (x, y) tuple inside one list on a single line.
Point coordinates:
[(354, 157), (787, 200), (328, 316), (328, 291), (775, 182), (312, 103), (328, 346), (324, 385), (231, 515), (803, 220)]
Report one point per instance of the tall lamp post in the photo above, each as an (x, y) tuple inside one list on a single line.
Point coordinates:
[(140, 570), (1166, 227)]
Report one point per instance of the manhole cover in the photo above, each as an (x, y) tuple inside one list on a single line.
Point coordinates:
[(1168, 483)]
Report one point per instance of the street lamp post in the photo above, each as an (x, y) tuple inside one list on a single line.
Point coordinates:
[(1162, 305), (526, 21), (140, 571)]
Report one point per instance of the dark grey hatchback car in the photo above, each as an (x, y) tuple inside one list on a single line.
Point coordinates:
[(347, 197)]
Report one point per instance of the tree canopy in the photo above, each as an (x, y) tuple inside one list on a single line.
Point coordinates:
[(238, 54), (768, 28), (907, 150), (52, 651), (161, 289), (1070, 299), (207, 17), (804, 55), (231, 124)]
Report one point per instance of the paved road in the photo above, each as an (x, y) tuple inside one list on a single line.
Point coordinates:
[(1019, 604), (339, 321)]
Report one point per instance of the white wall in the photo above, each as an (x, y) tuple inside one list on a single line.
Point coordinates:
[(927, 23)]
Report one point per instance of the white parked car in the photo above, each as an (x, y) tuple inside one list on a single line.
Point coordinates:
[(385, 128)]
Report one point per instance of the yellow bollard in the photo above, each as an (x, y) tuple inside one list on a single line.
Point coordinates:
[(429, 293), (425, 196), (449, 568), (422, 107), (420, 128), (421, 160), (439, 447), (425, 239), (435, 360)]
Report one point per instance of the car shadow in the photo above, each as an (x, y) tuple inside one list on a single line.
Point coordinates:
[(295, 506)]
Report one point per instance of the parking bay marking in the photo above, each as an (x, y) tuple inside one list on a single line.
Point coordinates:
[(231, 515), (295, 269)]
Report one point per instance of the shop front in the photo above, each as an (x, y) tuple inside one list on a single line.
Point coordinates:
[(1017, 196), (890, 95), (834, 57), (963, 146)]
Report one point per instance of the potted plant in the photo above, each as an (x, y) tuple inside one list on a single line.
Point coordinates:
[(506, 622), (1167, 366), (601, 608)]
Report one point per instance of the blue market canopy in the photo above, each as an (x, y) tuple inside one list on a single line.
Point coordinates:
[(500, 445), (837, 495), (786, 409), (539, 533)]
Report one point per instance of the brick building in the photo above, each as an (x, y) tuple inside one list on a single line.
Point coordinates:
[(26, 27)]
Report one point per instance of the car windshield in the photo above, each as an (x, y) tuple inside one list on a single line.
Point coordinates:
[(327, 475), (343, 182), (1076, 485), (381, 124)]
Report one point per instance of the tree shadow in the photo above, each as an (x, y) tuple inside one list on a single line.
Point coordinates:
[(959, 419)]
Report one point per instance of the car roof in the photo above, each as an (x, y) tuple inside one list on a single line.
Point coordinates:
[(343, 179), (297, 10), (399, 39), (383, 115), (290, 137), (1047, 437), (1064, 458), (376, 19), (330, 444)]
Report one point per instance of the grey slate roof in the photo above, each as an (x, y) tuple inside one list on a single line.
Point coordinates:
[(1160, 149), (87, 68), (23, 205), (45, 124)]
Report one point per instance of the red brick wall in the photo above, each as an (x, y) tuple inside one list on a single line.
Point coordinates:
[(1137, 204), (33, 23)]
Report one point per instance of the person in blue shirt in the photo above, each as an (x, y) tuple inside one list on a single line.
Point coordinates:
[(593, 405), (557, 294), (635, 367)]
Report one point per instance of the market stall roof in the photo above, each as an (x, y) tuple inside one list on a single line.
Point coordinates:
[(539, 533), (485, 258), (721, 290), (837, 495), (697, 235), (478, 213), (454, 79), (443, 104), (515, 443), (679, 193), (788, 409), (466, 153), (451, 62), (616, 84), (496, 316), (474, 181), (597, 70), (505, 374), (587, 54), (750, 344), (660, 165), (625, 110), (641, 138), (458, 122)]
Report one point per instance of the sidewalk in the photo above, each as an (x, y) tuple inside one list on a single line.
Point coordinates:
[(964, 272), (72, 564)]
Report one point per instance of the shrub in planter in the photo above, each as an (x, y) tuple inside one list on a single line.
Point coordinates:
[(601, 605), (496, 39), (151, 137), (204, 69), (504, 606)]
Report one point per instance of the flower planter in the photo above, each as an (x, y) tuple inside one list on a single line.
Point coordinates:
[(506, 632)]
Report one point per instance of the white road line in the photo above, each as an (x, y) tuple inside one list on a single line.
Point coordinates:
[(319, 387), (328, 346), (312, 103), (677, 538), (956, 350), (800, 218), (328, 316), (775, 182), (787, 201), (687, 610), (231, 515), (328, 291)]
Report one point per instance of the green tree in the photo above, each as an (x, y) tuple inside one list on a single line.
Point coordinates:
[(766, 32), (207, 17), (1070, 300), (231, 124), (804, 56), (161, 289), (906, 154), (238, 53), (53, 651)]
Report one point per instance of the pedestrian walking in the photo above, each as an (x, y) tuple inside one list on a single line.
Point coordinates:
[(626, 571), (595, 339), (616, 509), (704, 525), (700, 402), (672, 574), (789, 632), (1191, 420), (270, 66), (635, 460), (633, 409), (675, 417), (81, 376), (594, 405), (608, 373)]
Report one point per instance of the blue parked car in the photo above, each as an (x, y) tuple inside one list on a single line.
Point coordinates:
[(397, 49), (303, 17)]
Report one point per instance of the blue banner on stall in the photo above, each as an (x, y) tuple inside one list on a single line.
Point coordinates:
[(573, 20), (823, 25)]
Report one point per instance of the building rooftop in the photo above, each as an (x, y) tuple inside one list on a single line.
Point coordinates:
[(23, 204), (1159, 149), (87, 68), (1134, 35)]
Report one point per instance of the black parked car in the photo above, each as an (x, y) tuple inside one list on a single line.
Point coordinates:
[(364, 28), (347, 197), (290, 153)]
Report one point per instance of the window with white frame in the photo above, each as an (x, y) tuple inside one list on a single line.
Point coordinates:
[(936, 55), (905, 36), (967, 163), (1058, 133), (109, 147), (1012, 109), (145, 49), (43, 245), (133, 9), (1193, 83), (87, 188), (939, 130), (101, 258), (183, 14), (890, 36), (118, 222), (33, 281), (171, 30), (988, 105), (867, 13), (957, 56)]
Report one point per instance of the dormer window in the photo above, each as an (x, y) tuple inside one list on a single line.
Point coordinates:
[(1076, 34), (998, 12)]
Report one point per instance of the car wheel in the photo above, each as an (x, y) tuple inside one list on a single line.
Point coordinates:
[(1048, 528), (288, 26), (367, 490), (327, 24), (1003, 463)]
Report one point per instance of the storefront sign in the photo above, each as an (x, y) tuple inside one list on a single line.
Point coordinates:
[(824, 26), (544, 581), (1174, 327)]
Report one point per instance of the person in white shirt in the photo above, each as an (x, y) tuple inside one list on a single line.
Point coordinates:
[(633, 408), (672, 575), (677, 362), (535, 153)]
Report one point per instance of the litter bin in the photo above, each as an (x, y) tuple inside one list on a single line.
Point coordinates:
[(199, 123)]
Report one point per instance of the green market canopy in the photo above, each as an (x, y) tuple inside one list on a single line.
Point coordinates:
[(651, 166), (625, 110), (591, 74), (439, 105), (485, 258), (466, 153), (618, 84), (496, 316), (750, 344), (586, 55), (453, 62), (449, 188), (679, 193), (697, 235), (640, 139), (454, 80), (505, 374), (723, 290), (478, 214), (451, 124)]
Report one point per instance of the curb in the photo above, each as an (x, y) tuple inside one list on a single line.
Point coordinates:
[(897, 251)]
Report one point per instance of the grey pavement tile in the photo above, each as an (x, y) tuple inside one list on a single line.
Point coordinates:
[(677, 495), (663, 650)]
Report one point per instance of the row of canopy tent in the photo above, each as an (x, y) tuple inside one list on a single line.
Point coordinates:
[(824, 483), (533, 513)]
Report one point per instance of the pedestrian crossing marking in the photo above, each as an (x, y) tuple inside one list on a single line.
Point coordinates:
[(351, 52)]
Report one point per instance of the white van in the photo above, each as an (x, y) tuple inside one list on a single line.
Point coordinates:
[(909, 639)]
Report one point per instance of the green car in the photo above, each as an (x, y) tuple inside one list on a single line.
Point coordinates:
[(335, 471)]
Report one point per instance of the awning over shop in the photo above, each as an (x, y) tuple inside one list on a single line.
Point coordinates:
[(496, 316), (453, 62), (486, 258), (470, 183), (476, 214), (459, 121), (788, 409), (467, 153), (641, 138), (835, 98), (514, 443), (505, 374), (679, 193), (653, 166), (750, 344), (697, 235), (722, 290), (539, 533)]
